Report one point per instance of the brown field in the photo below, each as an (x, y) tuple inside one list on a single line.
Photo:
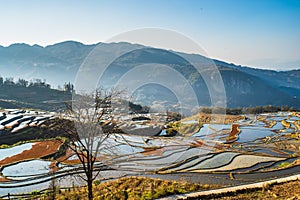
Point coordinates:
[(233, 135), (39, 150)]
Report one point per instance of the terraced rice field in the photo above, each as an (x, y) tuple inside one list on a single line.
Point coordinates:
[(14, 120), (256, 148)]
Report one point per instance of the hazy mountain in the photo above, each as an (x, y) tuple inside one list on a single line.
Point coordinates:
[(57, 63), (244, 86)]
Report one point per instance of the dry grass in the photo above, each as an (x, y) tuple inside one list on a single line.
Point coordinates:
[(133, 188), (219, 118), (288, 191)]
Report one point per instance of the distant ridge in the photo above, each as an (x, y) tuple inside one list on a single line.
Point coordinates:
[(58, 63)]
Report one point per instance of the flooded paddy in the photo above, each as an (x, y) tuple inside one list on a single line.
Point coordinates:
[(257, 145), (23, 170), (8, 152)]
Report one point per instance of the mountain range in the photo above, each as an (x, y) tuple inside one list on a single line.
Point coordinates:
[(244, 86)]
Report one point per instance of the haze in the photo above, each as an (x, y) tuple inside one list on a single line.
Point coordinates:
[(257, 33)]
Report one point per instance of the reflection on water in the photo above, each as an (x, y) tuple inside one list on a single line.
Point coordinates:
[(14, 150), (249, 134), (29, 168), (255, 147), (208, 129)]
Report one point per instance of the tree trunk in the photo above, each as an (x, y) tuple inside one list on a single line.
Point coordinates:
[(89, 176), (90, 189)]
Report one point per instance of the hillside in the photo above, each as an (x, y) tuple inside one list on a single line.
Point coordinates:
[(59, 63), (14, 96)]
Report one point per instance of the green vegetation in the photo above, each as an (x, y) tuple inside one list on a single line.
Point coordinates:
[(283, 164), (35, 192)]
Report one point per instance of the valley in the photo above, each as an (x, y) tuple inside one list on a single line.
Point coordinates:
[(173, 125), (59, 63)]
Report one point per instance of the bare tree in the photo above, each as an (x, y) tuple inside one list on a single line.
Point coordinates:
[(93, 124)]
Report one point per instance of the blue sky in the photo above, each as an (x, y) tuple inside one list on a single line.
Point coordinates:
[(257, 33)]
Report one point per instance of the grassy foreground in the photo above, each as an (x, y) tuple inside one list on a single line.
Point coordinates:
[(130, 188), (286, 191), (148, 188)]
